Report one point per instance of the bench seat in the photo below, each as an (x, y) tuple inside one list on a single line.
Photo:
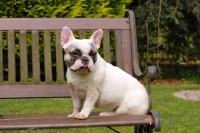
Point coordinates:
[(32, 66), (60, 120)]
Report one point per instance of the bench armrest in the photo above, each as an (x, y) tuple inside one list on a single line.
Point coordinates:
[(150, 72)]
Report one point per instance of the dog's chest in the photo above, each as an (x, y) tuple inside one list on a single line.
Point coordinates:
[(81, 90)]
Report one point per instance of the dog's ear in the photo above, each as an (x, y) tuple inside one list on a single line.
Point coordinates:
[(66, 36), (96, 37)]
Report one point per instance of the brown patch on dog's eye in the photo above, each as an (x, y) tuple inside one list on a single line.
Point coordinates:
[(93, 54), (76, 53), (71, 55)]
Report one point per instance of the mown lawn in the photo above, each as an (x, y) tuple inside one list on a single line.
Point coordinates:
[(177, 115)]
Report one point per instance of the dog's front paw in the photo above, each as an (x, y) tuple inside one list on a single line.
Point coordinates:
[(81, 116)]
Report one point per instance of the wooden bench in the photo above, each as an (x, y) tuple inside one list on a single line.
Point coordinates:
[(15, 81)]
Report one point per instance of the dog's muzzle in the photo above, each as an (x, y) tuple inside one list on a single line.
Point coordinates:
[(85, 65), (84, 60)]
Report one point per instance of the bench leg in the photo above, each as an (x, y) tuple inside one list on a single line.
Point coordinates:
[(139, 129), (143, 129), (136, 130), (149, 129)]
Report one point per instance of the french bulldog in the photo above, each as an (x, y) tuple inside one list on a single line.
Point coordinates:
[(96, 83)]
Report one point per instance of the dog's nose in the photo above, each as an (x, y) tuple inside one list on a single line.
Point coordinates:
[(84, 60)]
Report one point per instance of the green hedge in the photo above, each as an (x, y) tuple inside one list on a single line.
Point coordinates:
[(62, 9), (53, 9)]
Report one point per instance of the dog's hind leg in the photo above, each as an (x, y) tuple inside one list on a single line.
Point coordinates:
[(131, 108), (112, 113)]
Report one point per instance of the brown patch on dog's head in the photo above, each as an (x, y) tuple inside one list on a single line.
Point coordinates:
[(93, 52), (71, 55), (79, 59)]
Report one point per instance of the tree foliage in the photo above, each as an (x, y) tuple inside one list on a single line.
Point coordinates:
[(52, 9), (175, 31), (168, 29), (60, 8)]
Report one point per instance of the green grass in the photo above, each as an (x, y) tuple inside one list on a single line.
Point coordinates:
[(177, 115)]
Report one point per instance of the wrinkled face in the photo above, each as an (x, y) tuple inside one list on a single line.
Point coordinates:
[(81, 55)]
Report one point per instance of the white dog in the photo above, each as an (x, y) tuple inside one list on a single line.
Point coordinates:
[(98, 83)]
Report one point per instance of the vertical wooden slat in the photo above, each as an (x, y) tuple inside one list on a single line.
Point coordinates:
[(11, 58), (47, 57), (127, 51), (35, 57), (1, 58), (59, 58), (23, 58), (82, 34), (106, 46), (118, 42)]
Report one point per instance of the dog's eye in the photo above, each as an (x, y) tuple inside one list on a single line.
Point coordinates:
[(74, 54), (92, 54)]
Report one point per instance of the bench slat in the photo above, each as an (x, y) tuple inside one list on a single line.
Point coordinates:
[(82, 34), (59, 59), (126, 51), (11, 57), (1, 58), (40, 121), (47, 57), (34, 91), (106, 46), (23, 58), (58, 23), (35, 57), (118, 48)]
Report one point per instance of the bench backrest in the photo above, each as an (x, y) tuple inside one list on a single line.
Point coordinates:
[(27, 32)]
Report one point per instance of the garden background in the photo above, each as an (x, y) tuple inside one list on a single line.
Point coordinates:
[(168, 37), (168, 30)]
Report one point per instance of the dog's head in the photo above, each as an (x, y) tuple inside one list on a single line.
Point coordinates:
[(80, 55)]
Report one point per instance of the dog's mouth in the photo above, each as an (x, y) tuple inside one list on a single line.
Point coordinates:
[(82, 69)]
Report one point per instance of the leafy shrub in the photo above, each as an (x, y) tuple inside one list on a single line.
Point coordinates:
[(53, 9), (60, 8), (168, 29)]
